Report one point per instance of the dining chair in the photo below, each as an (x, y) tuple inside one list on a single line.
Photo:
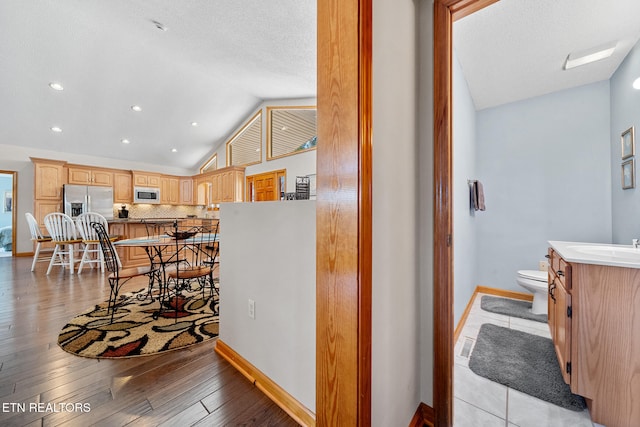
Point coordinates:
[(62, 230), (118, 276), (38, 238), (197, 260), (92, 254)]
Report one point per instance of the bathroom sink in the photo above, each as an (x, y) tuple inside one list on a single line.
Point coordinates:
[(617, 252)]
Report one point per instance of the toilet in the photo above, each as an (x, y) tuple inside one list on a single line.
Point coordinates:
[(535, 281)]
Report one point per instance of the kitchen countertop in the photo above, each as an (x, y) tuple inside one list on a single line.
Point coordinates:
[(598, 253), (150, 220)]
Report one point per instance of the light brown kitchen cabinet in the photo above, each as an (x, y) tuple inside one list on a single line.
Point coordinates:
[(232, 185), (89, 176), (44, 207), (146, 179), (122, 187), (560, 311), (221, 185), (186, 191), (215, 189), (48, 179), (594, 322), (169, 190)]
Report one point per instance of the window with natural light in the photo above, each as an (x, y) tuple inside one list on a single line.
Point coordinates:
[(244, 148)]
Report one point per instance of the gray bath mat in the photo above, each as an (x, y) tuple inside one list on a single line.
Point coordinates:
[(510, 307), (524, 362)]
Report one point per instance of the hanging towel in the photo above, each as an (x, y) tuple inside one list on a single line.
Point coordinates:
[(479, 196), (473, 196)]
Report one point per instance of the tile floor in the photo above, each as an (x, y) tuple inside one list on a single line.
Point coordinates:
[(482, 402)]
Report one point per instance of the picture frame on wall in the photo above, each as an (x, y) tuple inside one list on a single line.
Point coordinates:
[(7, 202), (627, 140), (629, 174)]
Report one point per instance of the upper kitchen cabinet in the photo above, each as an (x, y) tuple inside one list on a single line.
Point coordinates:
[(222, 185), (146, 179), (48, 179), (186, 191), (169, 190), (83, 175), (232, 184), (122, 187)]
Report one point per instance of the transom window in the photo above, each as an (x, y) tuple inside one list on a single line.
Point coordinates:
[(245, 147), (290, 130), (211, 164)]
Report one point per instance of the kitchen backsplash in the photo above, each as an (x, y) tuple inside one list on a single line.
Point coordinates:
[(161, 211)]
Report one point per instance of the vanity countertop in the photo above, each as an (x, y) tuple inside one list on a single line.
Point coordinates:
[(598, 253)]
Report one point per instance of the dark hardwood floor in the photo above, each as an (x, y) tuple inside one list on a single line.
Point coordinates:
[(194, 386)]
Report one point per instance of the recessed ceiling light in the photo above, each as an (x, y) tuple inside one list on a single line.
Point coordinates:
[(194, 124), (174, 150), (125, 141), (136, 108), (636, 83), (56, 86), (56, 129), (159, 25), (577, 59)]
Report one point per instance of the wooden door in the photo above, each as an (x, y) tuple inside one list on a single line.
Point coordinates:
[(266, 186)]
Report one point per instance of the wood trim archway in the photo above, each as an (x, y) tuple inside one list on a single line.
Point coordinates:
[(343, 227), (445, 13)]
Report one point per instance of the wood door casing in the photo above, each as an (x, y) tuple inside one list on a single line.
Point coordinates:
[(445, 12), (343, 212)]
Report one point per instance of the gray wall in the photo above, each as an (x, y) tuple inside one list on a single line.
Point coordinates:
[(464, 218), (277, 270), (545, 166), (425, 195), (395, 380), (625, 112)]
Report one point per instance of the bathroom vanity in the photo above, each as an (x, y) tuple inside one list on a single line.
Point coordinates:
[(594, 318)]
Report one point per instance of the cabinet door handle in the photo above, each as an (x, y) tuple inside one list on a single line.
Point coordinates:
[(560, 273), (547, 256), (552, 287)]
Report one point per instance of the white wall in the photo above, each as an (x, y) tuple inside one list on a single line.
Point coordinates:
[(545, 166), (464, 169), (625, 112), (268, 254), (424, 196)]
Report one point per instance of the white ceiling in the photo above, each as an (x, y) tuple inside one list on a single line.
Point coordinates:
[(516, 49), (217, 61)]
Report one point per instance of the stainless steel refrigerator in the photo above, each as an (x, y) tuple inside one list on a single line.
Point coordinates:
[(88, 198)]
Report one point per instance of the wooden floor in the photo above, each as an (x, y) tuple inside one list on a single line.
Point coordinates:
[(194, 386)]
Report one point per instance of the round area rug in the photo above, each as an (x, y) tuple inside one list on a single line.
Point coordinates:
[(185, 320)]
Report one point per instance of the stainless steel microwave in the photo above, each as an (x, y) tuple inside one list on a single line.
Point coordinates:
[(146, 195)]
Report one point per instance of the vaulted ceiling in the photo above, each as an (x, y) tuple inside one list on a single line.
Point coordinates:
[(181, 61)]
